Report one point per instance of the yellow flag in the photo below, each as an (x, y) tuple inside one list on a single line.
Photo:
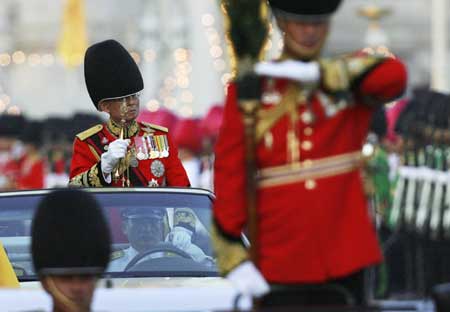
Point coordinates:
[(7, 276), (73, 40)]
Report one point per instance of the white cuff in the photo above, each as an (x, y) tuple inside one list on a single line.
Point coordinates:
[(247, 279), (307, 72)]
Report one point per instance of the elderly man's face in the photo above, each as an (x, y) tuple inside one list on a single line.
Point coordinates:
[(113, 108), (143, 232), (304, 40)]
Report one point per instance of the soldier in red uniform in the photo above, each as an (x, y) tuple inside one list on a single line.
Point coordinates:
[(312, 120), (33, 167), (141, 154)]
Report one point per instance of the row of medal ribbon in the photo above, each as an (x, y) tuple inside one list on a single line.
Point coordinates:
[(151, 147)]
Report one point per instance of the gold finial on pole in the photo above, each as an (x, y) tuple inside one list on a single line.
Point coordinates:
[(376, 38)]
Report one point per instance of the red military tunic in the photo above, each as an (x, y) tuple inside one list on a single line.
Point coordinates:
[(31, 174), (85, 169), (313, 222)]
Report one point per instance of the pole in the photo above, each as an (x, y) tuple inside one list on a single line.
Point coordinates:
[(439, 46)]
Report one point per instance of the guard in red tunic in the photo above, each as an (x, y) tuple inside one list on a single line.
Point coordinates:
[(33, 167), (313, 226), (122, 152)]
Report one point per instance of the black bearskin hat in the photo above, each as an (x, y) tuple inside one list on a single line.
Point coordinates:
[(304, 10), (32, 133), (11, 125), (110, 72), (69, 235)]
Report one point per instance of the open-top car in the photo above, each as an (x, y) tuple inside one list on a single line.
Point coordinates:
[(143, 224)]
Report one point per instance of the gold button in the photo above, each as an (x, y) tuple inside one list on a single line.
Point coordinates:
[(307, 145), (310, 184), (308, 131), (307, 163), (307, 117)]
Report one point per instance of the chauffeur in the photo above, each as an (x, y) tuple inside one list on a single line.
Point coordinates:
[(313, 222), (122, 152)]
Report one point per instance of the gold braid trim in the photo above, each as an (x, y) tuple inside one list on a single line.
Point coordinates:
[(268, 117), (229, 254), (335, 76), (115, 128), (93, 178), (77, 181), (89, 178), (94, 152), (338, 74)]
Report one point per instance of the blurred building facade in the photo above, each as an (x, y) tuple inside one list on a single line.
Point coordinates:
[(179, 45)]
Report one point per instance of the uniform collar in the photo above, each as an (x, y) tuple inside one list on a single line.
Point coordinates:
[(114, 128)]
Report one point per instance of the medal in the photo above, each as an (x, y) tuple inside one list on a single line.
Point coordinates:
[(134, 162), (153, 183), (145, 145), (153, 151), (132, 158), (159, 145), (157, 168), (166, 146), (140, 155)]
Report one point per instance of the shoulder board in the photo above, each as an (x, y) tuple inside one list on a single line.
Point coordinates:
[(116, 255), (89, 132), (155, 127)]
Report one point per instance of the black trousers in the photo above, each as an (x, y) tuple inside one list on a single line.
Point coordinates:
[(346, 291)]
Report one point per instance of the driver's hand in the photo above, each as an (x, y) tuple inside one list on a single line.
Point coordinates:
[(180, 237)]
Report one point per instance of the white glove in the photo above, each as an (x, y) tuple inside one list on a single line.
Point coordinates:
[(247, 279), (180, 237), (116, 150), (305, 72)]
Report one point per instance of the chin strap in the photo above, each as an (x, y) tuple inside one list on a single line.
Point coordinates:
[(64, 301)]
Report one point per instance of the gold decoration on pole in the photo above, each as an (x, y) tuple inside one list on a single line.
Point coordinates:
[(246, 33), (375, 35)]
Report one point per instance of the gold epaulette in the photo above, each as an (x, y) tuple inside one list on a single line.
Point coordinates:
[(116, 254), (89, 132), (155, 127)]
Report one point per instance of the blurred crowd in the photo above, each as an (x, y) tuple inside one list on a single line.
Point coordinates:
[(36, 154)]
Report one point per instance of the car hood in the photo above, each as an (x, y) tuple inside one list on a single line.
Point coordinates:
[(143, 294)]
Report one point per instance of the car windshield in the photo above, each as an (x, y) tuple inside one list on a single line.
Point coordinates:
[(154, 234)]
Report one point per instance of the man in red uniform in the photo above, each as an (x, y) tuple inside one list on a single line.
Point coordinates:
[(11, 149), (32, 170), (144, 155), (312, 120)]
